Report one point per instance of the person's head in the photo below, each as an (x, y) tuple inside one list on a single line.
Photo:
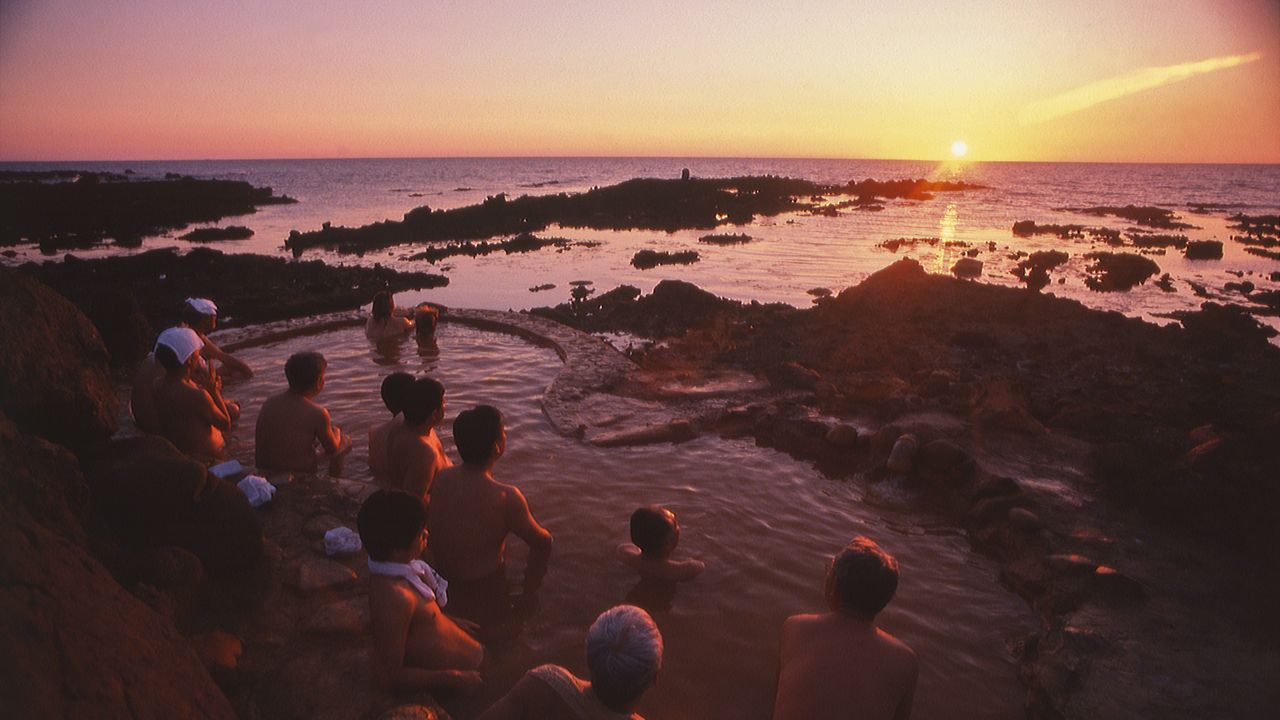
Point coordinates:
[(392, 523), (383, 305), (862, 579), (480, 435), (200, 314), (177, 348), (624, 656), (655, 531), (395, 389), (425, 319), (424, 402), (305, 372)]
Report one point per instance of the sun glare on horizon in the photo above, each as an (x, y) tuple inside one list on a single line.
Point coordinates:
[(959, 148)]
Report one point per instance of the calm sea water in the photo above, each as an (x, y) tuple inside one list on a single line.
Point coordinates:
[(764, 523), (790, 255)]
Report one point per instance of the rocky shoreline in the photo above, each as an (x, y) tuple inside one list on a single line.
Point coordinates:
[(1055, 434)]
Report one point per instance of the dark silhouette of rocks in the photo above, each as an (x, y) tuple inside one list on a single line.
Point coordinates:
[(1034, 270), (78, 643), (129, 299), (1028, 228), (1205, 250), (1262, 252), (1256, 224), (524, 242), (1117, 272), (639, 204), (53, 367), (1145, 240), (69, 215), (648, 259), (967, 267), (725, 239), (544, 286), (1156, 217), (231, 232), (897, 243)]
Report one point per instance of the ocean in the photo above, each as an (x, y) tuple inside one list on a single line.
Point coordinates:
[(789, 256)]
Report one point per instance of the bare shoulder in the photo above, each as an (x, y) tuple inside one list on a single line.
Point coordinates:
[(895, 648), (390, 596)]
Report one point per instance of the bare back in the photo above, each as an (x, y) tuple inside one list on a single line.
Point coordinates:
[(433, 642), (414, 460), (142, 397), (834, 666), (469, 522), (289, 426)]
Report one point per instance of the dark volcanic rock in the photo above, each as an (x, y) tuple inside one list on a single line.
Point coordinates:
[(648, 259), (1155, 217), (54, 379), (153, 495), (231, 232), (967, 267), (65, 215), (725, 239), (247, 288), (1111, 272), (638, 204), (1204, 250), (524, 242), (76, 644), (1034, 270)]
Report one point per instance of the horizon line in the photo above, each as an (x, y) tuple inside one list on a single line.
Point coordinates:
[(639, 157)]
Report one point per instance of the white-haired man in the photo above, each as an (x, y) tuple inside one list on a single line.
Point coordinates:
[(624, 655)]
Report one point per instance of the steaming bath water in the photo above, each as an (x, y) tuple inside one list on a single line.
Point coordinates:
[(765, 524)]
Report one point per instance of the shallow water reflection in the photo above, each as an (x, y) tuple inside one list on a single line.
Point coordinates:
[(764, 523)]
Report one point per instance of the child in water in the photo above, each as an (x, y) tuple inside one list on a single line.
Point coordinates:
[(654, 536)]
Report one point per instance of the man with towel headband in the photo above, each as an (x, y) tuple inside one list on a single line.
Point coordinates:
[(192, 417), (201, 315)]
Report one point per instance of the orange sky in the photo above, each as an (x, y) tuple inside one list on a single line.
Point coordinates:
[(1170, 81)]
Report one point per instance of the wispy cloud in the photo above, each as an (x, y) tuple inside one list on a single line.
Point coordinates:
[(1086, 96)]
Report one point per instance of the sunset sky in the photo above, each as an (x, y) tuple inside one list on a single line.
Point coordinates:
[(1159, 81)]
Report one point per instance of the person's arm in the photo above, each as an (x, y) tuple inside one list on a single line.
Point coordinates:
[(330, 435), (391, 614), (210, 406), (211, 350), (516, 704), (904, 705), (681, 570), (520, 521)]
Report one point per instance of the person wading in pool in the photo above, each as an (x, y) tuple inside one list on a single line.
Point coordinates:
[(471, 516), (839, 664), (383, 323), (292, 422), (414, 452), (395, 390)]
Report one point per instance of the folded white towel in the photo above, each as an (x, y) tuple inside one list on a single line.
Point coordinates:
[(257, 489), (420, 575), (341, 540)]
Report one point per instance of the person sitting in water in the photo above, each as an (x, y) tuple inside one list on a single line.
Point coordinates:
[(655, 532), (192, 416), (472, 514), (395, 389), (416, 646), (291, 422), (425, 320), (384, 324), (624, 657), (840, 660), (201, 315), (414, 452)]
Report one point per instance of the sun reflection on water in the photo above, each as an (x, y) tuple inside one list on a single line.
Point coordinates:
[(947, 252)]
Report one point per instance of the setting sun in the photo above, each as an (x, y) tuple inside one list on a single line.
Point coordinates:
[(959, 148)]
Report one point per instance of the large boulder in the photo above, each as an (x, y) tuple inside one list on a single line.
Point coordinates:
[(76, 644), (54, 379), (152, 495)]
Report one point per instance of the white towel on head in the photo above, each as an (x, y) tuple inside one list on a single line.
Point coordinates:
[(182, 341), (204, 306), (420, 575)]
